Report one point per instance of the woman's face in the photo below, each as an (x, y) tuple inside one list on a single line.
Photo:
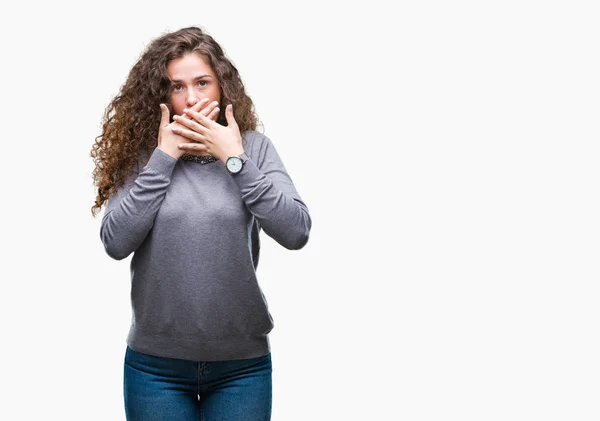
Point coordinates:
[(192, 80)]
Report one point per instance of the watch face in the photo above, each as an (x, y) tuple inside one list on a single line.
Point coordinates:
[(234, 164)]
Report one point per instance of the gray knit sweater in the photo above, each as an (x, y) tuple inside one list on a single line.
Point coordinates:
[(193, 230)]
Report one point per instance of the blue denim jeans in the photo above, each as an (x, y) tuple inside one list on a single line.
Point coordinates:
[(157, 388)]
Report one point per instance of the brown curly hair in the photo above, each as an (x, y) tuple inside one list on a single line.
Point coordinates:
[(130, 123)]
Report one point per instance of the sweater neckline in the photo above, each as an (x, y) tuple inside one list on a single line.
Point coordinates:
[(199, 159)]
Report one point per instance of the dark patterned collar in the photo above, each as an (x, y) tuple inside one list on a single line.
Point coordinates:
[(199, 159)]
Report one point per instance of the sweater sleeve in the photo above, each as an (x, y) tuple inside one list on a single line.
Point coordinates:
[(131, 210), (269, 193)]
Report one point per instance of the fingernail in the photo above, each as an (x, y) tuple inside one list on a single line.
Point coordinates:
[(185, 110)]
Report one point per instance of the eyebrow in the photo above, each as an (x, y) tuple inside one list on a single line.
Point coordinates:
[(196, 78)]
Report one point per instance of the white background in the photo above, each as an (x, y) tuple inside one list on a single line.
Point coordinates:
[(448, 154)]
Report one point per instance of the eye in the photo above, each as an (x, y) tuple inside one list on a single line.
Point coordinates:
[(176, 87), (202, 81)]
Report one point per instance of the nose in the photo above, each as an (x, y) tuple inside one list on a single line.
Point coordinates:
[(191, 98)]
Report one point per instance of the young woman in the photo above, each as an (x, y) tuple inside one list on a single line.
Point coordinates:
[(188, 184)]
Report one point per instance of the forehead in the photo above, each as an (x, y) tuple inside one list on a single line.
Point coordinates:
[(188, 67)]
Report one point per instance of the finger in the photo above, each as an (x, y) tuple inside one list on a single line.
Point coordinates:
[(188, 134), (211, 111), (214, 114), (164, 117), (200, 118), (189, 123), (208, 110), (229, 116), (198, 106), (192, 147)]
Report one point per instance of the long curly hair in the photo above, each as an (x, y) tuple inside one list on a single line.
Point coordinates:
[(130, 123)]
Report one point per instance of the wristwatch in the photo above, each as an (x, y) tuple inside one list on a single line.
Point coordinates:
[(234, 163)]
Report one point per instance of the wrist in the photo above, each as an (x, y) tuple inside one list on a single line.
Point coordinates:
[(233, 152), (175, 153)]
